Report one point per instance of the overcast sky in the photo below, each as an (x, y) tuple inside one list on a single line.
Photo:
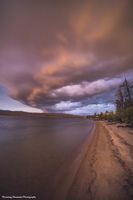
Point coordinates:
[(64, 56)]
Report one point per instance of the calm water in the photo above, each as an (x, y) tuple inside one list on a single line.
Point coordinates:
[(33, 149)]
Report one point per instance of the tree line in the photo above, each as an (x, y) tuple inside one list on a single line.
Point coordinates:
[(124, 106)]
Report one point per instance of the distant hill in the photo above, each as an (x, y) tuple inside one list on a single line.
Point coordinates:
[(51, 115)]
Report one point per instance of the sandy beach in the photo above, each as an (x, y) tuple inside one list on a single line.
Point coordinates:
[(107, 169)]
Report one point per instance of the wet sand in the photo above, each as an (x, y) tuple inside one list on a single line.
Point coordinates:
[(107, 170)]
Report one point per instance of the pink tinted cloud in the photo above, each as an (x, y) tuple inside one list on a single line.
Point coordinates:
[(49, 54)]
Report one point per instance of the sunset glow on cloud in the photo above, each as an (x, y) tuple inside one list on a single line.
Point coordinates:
[(57, 56)]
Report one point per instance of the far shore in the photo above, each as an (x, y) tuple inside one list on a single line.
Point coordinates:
[(43, 114)]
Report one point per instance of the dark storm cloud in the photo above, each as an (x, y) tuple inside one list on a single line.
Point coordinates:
[(57, 51)]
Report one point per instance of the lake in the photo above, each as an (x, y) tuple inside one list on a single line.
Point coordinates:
[(33, 150)]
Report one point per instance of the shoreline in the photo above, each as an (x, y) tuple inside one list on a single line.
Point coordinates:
[(107, 170), (63, 181)]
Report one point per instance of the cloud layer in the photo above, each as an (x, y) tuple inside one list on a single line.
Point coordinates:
[(69, 51)]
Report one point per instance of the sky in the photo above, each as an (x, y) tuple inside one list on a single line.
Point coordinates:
[(64, 56)]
